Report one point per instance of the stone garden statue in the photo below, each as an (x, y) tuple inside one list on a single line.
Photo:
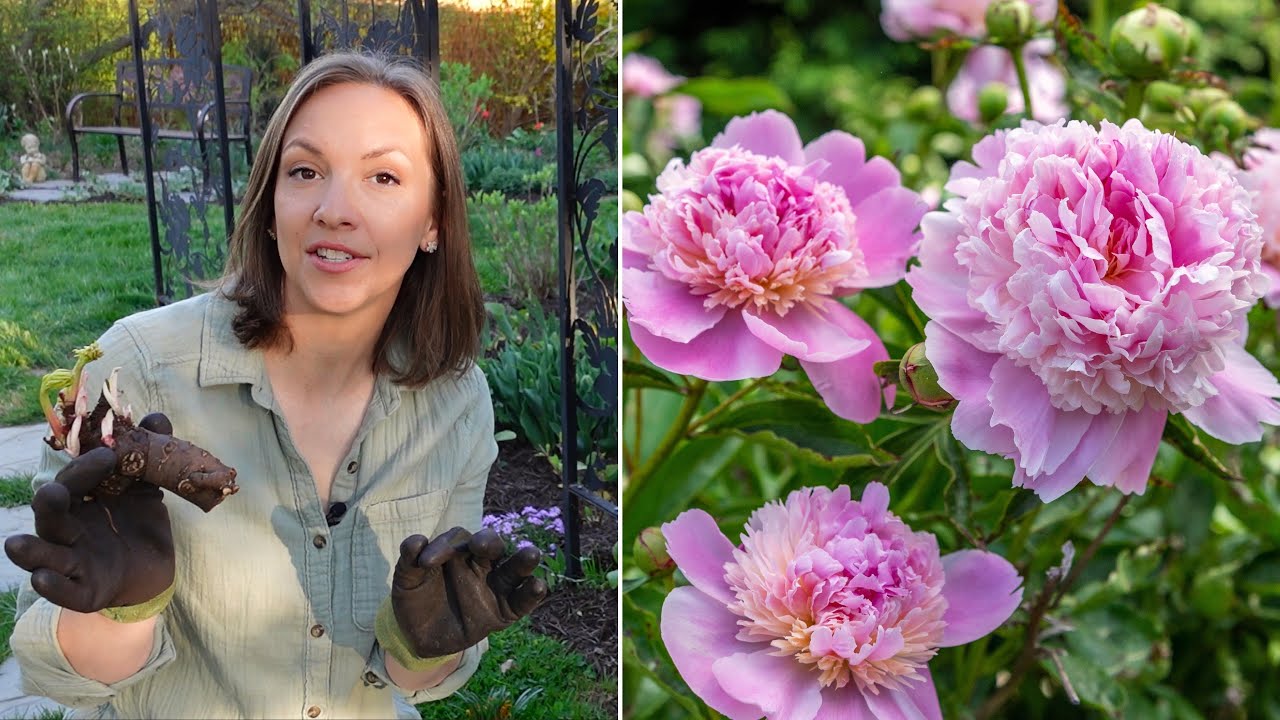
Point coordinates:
[(33, 161)]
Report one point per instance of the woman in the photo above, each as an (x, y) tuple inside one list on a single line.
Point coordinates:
[(333, 368)]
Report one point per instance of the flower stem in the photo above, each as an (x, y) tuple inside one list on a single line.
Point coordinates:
[(679, 427), (1020, 65), (1133, 98), (1098, 16), (1049, 597), (741, 392)]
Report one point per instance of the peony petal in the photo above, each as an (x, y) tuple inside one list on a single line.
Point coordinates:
[(700, 550), (844, 704), (893, 705), (727, 351), (697, 630), (1043, 434), (1243, 402), (925, 696), (846, 166), (982, 590), (779, 685), (1126, 465), (963, 370), (1092, 449), (886, 224), (665, 307), (815, 333), (764, 133), (848, 386), (938, 282)]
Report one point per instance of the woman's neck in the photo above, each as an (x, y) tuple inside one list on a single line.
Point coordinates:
[(327, 351)]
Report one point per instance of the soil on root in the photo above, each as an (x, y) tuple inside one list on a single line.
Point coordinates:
[(583, 617)]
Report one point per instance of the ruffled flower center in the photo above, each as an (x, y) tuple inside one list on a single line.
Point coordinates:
[(744, 229), (1116, 265), (857, 597)]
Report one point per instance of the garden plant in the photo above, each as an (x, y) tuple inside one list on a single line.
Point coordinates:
[(949, 373), (498, 88)]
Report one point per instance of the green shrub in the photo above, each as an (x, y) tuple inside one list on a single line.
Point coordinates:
[(510, 167), (522, 363), (526, 234), (464, 98)]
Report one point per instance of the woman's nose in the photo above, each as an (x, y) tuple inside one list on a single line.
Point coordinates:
[(337, 206)]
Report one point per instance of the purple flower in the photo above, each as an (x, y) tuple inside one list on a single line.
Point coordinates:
[(1083, 285), (829, 608), (643, 76), (742, 255), (921, 19), (988, 64), (1262, 179)]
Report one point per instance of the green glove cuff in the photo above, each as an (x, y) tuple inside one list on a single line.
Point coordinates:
[(141, 611), (395, 644)]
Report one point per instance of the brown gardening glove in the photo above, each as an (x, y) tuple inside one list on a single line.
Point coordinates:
[(108, 551), (450, 593)]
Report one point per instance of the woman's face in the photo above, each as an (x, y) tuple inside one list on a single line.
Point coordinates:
[(352, 201)]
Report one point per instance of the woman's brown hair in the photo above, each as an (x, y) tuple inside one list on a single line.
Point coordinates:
[(434, 326)]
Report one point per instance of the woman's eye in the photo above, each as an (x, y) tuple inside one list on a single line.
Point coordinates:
[(385, 178), (304, 173)]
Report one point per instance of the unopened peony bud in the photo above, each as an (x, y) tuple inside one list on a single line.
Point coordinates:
[(993, 100), (917, 376), (650, 553), (925, 103), (1200, 99), (1148, 42), (1225, 117), (1010, 23), (1165, 96)]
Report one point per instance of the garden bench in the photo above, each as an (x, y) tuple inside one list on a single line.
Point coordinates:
[(180, 109)]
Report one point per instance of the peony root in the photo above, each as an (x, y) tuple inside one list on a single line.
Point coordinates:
[(162, 460)]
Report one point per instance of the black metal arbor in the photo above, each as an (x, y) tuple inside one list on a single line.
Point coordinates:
[(190, 194)]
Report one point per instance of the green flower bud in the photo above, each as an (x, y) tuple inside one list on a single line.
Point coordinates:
[(1225, 117), (1165, 96), (918, 377), (925, 103), (993, 100), (1199, 99), (1148, 42), (650, 553), (1010, 23), (631, 201)]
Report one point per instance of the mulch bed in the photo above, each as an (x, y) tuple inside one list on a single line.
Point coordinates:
[(584, 618)]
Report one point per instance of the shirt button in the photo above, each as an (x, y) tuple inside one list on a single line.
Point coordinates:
[(351, 467), (313, 711), (319, 541), (317, 631)]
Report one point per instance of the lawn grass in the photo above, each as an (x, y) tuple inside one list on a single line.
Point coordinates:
[(70, 271), (8, 615), (570, 688), (15, 490)]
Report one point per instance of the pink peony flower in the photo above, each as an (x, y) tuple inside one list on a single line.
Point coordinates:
[(1083, 285), (830, 608), (1262, 178), (677, 118), (643, 76), (988, 64), (742, 254), (922, 19)]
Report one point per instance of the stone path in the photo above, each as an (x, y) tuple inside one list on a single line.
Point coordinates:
[(61, 190), (20, 449)]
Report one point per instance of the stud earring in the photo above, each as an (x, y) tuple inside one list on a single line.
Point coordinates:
[(431, 246), (271, 234)]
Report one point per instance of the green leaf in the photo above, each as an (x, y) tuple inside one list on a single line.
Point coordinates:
[(1092, 684), (737, 96), (638, 375), (674, 483), (804, 428), (1182, 435)]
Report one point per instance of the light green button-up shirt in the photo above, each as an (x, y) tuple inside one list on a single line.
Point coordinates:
[(273, 612)]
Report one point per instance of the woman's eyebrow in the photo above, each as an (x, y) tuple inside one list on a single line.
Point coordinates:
[(380, 151), (304, 144)]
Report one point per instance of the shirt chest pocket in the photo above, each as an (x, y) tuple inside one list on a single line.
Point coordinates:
[(375, 547)]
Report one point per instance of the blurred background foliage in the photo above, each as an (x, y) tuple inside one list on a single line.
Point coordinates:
[(1173, 614)]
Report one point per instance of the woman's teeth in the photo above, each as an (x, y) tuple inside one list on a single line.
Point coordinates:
[(333, 255)]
